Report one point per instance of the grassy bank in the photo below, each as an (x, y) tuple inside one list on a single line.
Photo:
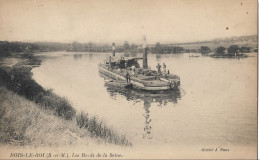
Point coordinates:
[(18, 78), (24, 123)]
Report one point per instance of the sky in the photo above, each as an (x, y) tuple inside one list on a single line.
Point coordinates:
[(110, 21)]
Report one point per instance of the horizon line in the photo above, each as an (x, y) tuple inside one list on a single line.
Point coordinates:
[(148, 44)]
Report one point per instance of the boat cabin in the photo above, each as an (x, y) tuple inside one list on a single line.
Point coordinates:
[(123, 62)]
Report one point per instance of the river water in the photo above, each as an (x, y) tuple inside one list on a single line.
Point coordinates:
[(218, 106)]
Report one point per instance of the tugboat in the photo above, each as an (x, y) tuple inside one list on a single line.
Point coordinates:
[(128, 70)]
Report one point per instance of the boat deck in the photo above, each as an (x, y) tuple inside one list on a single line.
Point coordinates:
[(153, 79)]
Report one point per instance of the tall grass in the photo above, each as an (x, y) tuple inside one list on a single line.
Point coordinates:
[(19, 80), (100, 129), (24, 123), (59, 105)]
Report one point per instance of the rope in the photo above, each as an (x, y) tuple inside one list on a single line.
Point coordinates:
[(182, 90)]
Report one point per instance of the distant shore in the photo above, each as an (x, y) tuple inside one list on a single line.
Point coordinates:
[(19, 90), (228, 56)]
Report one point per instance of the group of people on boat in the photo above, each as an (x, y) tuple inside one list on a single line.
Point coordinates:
[(131, 68), (159, 68)]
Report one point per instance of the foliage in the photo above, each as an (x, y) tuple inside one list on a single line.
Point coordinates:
[(205, 50), (245, 49), (6, 48), (126, 46), (162, 49), (220, 50), (233, 49), (23, 123), (19, 80), (100, 129), (94, 47)]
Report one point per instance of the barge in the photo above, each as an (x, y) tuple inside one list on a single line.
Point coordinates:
[(128, 69)]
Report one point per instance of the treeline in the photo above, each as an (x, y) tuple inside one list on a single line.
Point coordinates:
[(164, 49), (230, 50), (52, 46), (125, 48), (94, 47), (6, 48), (205, 50), (233, 49), (9, 47), (88, 47), (131, 48)]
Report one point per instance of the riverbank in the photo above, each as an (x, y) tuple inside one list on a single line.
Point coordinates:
[(228, 56), (16, 76), (24, 123)]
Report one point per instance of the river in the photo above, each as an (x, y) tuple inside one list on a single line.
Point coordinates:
[(218, 106)]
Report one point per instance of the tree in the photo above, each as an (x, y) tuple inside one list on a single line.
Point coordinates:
[(233, 49), (205, 50), (126, 46), (220, 50), (245, 49), (177, 49), (75, 46), (133, 48), (158, 48)]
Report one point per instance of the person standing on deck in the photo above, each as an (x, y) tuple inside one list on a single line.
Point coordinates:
[(125, 64), (164, 68), (159, 68), (127, 77)]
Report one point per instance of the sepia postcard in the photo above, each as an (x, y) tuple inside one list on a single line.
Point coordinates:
[(128, 79)]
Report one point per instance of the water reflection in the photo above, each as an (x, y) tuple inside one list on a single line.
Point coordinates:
[(148, 98), (79, 56), (162, 99), (158, 57), (148, 127)]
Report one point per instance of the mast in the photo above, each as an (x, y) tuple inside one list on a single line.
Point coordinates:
[(113, 49), (145, 64)]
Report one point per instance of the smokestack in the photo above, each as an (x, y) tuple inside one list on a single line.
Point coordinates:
[(113, 49), (145, 64)]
